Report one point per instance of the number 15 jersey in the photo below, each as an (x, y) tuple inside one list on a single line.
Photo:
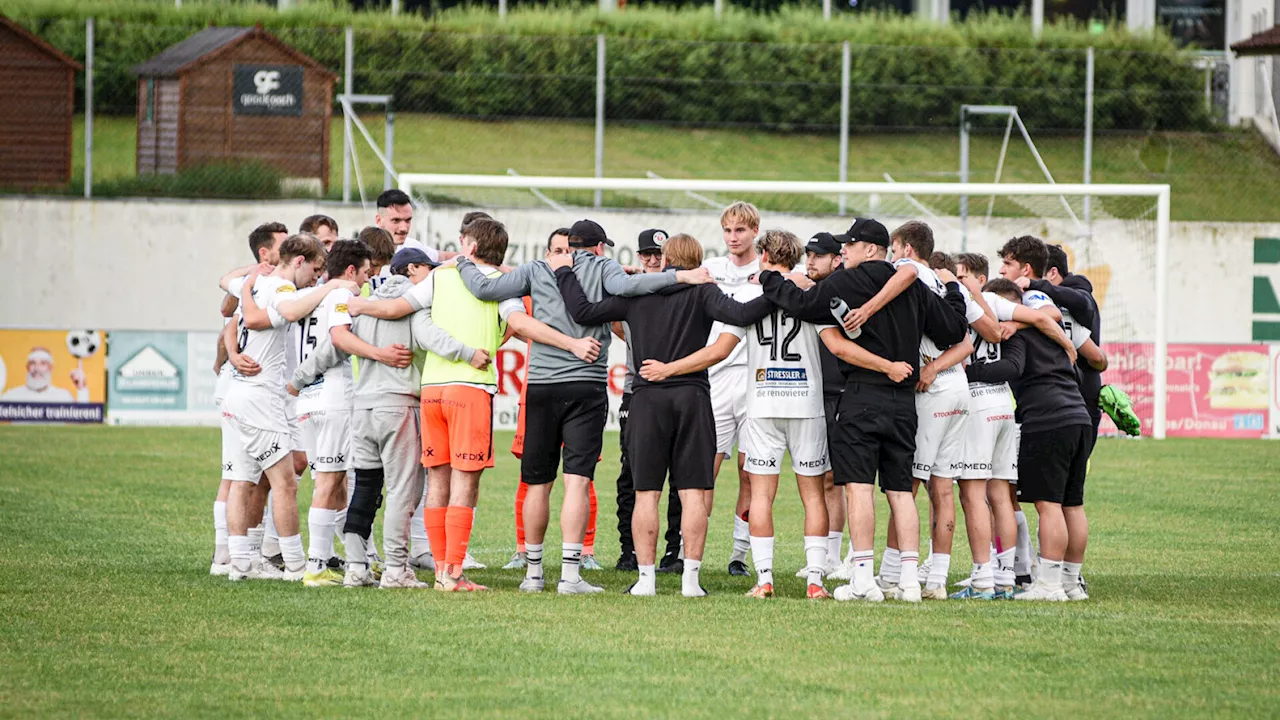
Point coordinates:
[(785, 369)]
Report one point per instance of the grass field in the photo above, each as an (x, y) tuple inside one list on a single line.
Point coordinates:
[(108, 609), (1226, 176)]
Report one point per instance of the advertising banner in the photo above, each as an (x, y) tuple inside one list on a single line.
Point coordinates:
[(267, 90), (1213, 390), (510, 363), (1275, 391), (49, 376), (162, 378)]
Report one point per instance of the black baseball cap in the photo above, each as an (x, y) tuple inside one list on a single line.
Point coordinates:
[(823, 244), (865, 230), (589, 234), (651, 241)]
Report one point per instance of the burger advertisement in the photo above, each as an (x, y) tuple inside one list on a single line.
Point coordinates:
[(1219, 390)]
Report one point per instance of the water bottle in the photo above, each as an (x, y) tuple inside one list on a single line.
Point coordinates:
[(840, 308)]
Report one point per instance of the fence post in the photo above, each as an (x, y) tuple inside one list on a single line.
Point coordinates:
[(599, 114), (502, 9), (1037, 18), (395, 7), (1088, 135), (349, 59), (845, 70), (826, 9), (88, 108), (719, 8)]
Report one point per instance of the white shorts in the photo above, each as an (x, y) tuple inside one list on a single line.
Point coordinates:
[(765, 440), (940, 433), (251, 451), (729, 406), (327, 436), (990, 442), (224, 382), (296, 441)]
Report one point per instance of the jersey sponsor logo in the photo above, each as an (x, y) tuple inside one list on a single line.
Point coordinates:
[(983, 466), (335, 460), (340, 307), (813, 464), (950, 413), (999, 418), (762, 463), (228, 467), (275, 448), (286, 288), (470, 456)]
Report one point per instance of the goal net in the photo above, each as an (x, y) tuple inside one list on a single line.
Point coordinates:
[(1115, 235)]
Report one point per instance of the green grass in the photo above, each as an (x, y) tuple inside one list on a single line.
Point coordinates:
[(1221, 177), (108, 609)]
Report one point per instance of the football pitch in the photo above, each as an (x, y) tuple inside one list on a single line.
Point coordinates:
[(107, 608)]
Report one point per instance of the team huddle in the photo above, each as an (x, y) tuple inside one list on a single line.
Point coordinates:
[(866, 356)]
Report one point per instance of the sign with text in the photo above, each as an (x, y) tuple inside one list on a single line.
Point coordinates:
[(162, 378), (267, 90), (52, 376), (511, 362), (1213, 390)]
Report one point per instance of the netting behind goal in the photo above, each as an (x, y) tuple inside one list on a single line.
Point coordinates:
[(1112, 236)]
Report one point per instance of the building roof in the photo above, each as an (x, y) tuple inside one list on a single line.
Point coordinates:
[(211, 42), (39, 42), (1266, 42)]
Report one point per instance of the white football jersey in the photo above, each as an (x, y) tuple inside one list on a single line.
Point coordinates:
[(984, 351), (333, 389), (953, 377), (1078, 333), (785, 379), (259, 400), (734, 281)]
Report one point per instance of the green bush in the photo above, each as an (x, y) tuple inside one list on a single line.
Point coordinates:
[(779, 70), (235, 180)]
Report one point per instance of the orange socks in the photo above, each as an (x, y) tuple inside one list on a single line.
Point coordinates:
[(457, 521), (589, 541), (434, 519), (521, 490)]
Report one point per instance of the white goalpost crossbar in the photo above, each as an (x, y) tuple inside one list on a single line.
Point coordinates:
[(422, 182)]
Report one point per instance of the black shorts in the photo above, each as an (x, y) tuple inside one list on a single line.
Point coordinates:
[(830, 409), (571, 416), (875, 434), (1052, 463), (672, 429)]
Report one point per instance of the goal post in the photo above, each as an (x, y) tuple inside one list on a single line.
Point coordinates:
[(1031, 208)]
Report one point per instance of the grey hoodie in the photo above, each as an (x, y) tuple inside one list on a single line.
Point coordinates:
[(599, 276), (379, 385)]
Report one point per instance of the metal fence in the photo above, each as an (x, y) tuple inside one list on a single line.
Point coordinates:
[(622, 107)]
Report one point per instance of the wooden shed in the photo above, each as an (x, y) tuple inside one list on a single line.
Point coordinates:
[(234, 93), (38, 105)]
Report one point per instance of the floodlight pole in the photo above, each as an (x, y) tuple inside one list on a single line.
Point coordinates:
[(88, 108), (346, 120), (599, 196), (845, 62)]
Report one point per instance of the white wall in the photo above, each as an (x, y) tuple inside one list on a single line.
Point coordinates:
[(154, 265)]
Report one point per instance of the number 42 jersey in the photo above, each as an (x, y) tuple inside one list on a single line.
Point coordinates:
[(785, 368)]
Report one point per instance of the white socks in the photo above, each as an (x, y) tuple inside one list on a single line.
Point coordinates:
[(570, 561), (939, 566), (241, 555), (815, 557), (834, 540), (741, 540), (1022, 558), (419, 545), (533, 558), (646, 584), (1004, 575), (1050, 574), (291, 550), (1070, 574), (910, 568), (864, 570), (220, 552), (891, 566), (983, 577), (255, 540), (762, 553), (270, 539), (690, 585), (320, 525)]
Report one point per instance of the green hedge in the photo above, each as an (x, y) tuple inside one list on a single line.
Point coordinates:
[(778, 70)]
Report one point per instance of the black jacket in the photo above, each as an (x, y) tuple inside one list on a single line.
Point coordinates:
[(668, 325), (893, 333), (1075, 294), (1043, 381)]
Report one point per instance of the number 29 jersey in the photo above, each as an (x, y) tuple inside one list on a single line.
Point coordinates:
[(784, 366)]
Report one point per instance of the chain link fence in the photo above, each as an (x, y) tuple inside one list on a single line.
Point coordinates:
[(623, 107)]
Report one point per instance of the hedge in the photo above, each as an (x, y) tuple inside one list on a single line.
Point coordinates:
[(778, 70)]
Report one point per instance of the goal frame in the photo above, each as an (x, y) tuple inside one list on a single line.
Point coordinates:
[(409, 182)]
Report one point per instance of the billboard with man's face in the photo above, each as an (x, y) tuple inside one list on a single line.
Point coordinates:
[(52, 375)]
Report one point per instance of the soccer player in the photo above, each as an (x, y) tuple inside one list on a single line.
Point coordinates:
[(256, 405), (1081, 318), (381, 250), (649, 250), (784, 413), (740, 224), (567, 401), (876, 428), (822, 258), (671, 427), (323, 227), (264, 244)]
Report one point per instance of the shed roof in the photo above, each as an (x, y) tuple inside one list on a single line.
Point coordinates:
[(40, 43), (211, 42), (1266, 42)]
